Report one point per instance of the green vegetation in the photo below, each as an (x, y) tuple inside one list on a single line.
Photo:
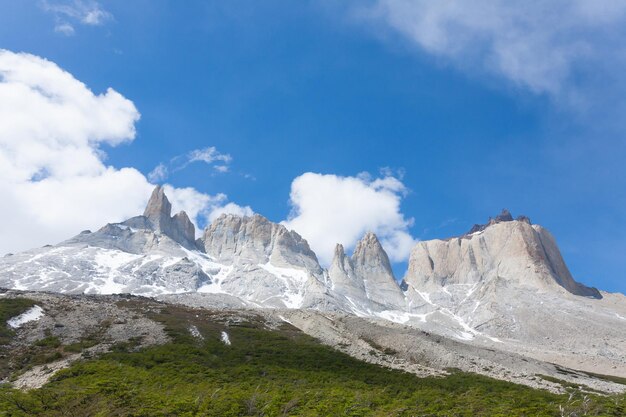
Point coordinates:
[(565, 384), (269, 373), (611, 378), (10, 308), (50, 341)]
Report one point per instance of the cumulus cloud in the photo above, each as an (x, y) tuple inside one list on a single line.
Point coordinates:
[(542, 46), (67, 13), (229, 208), (330, 209), (53, 179), (203, 207)]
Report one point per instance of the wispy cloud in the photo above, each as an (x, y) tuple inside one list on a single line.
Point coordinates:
[(208, 155), (562, 48), (69, 13), (65, 29), (158, 174), (220, 162)]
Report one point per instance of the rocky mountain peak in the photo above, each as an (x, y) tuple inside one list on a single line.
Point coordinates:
[(157, 216), (340, 260), (371, 264), (159, 208), (339, 251), (369, 253), (183, 228), (504, 216), (505, 250), (256, 240)]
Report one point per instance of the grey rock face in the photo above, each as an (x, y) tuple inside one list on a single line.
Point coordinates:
[(515, 251), (346, 284), (255, 240), (342, 276), (157, 217), (372, 265), (267, 262), (158, 210), (183, 229)]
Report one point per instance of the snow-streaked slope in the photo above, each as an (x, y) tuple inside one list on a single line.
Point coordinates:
[(504, 285)]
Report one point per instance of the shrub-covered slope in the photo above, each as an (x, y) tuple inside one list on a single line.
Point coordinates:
[(264, 371)]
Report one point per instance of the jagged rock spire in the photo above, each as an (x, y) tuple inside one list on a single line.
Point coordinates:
[(371, 264), (159, 209), (183, 228), (341, 266), (369, 254), (158, 212), (504, 216)]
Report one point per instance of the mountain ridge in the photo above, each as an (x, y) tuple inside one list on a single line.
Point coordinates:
[(491, 287)]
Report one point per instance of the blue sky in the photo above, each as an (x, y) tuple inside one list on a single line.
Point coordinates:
[(465, 121)]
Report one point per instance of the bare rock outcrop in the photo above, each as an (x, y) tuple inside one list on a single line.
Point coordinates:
[(510, 250)]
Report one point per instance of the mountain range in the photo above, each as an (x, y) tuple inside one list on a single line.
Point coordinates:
[(503, 285)]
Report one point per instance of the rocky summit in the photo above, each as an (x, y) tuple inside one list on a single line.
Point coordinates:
[(503, 286)]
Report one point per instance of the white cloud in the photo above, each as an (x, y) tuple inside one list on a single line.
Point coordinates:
[(68, 13), (202, 207), (158, 174), (52, 123), (53, 180), (230, 208), (544, 46), (88, 12), (209, 155), (329, 209), (64, 28)]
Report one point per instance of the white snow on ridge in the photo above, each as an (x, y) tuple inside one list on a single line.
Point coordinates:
[(294, 280), (395, 316), (358, 311), (401, 317), (32, 314), (215, 286), (114, 259), (108, 263)]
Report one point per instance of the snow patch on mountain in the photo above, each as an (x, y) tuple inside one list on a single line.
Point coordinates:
[(32, 314)]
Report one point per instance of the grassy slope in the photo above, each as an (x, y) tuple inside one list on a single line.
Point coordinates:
[(274, 373)]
